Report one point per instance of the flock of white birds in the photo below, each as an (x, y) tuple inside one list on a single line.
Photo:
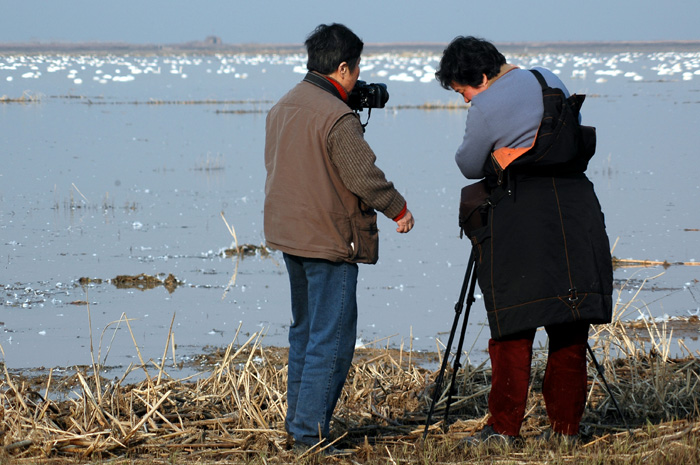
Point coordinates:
[(417, 68)]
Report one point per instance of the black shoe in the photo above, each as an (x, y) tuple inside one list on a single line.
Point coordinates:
[(490, 438), (559, 439)]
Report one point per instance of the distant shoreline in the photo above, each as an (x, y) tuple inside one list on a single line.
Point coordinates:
[(213, 45)]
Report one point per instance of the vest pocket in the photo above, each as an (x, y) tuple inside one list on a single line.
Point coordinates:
[(365, 235)]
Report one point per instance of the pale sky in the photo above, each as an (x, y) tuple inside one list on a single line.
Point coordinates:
[(375, 21)]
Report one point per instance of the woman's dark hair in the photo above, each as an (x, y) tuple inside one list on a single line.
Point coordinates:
[(330, 45), (466, 60)]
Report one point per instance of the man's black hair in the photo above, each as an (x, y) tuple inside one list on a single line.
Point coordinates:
[(466, 60), (330, 45)]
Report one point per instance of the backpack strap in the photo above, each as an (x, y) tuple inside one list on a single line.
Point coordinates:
[(540, 79)]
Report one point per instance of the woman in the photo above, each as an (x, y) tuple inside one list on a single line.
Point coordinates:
[(543, 259)]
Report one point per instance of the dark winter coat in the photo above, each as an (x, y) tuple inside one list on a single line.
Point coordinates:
[(543, 257)]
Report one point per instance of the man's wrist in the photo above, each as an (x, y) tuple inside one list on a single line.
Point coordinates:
[(402, 213)]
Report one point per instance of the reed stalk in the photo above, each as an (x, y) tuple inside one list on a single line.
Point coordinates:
[(236, 407)]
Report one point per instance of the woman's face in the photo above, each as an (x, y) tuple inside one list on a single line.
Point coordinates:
[(467, 91)]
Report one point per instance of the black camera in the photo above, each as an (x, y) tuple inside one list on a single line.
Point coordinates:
[(365, 95)]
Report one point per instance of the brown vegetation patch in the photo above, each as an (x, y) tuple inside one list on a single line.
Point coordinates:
[(247, 250), (682, 327), (27, 97), (235, 412), (143, 282), (453, 105), (634, 263)]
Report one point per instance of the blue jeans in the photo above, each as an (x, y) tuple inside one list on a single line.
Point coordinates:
[(321, 342)]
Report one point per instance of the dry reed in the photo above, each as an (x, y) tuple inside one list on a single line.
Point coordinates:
[(236, 407), (27, 97)]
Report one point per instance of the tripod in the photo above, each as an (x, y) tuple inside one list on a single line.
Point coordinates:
[(607, 387), (469, 283)]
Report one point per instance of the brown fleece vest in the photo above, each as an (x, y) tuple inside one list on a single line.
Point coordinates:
[(308, 210)]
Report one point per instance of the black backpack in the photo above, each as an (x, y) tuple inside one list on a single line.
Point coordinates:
[(562, 145)]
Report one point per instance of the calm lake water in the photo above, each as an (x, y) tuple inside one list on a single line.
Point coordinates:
[(124, 165)]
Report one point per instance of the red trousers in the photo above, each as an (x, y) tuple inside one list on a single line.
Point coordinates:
[(565, 380)]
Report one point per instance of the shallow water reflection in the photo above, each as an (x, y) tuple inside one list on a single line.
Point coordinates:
[(98, 183)]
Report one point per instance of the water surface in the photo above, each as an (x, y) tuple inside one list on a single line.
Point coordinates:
[(123, 165)]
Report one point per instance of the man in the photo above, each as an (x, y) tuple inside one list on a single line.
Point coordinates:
[(321, 193)]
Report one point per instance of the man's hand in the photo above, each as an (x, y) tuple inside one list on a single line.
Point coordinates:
[(406, 223)]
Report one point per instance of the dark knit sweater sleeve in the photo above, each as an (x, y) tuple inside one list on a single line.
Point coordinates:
[(355, 161)]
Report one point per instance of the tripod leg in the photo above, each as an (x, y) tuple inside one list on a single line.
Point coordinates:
[(607, 386), (460, 344), (441, 375)]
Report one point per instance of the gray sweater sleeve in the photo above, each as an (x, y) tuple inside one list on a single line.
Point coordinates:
[(476, 147), (355, 160)]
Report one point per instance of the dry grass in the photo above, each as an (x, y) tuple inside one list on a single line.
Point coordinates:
[(234, 412), (633, 263), (452, 105), (27, 97), (152, 101)]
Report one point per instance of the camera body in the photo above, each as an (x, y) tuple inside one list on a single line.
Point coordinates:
[(365, 95)]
